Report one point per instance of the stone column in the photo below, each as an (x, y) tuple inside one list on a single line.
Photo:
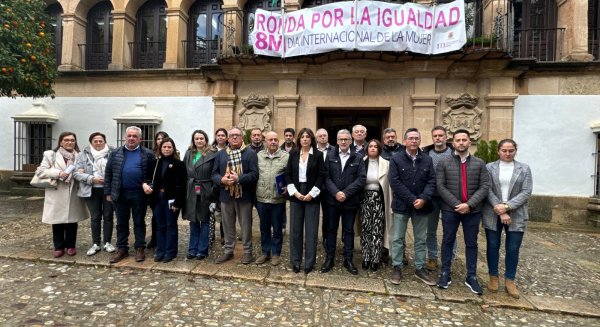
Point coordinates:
[(292, 5), (224, 110), (424, 103), (176, 32), (574, 15), (286, 106), (500, 104), (123, 33), (73, 35)]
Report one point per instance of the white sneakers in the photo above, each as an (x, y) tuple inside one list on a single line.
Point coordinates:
[(93, 250), (109, 248)]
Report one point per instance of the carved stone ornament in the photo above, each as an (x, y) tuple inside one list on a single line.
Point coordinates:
[(256, 113), (462, 113)]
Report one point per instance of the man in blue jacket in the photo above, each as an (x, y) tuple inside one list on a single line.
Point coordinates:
[(125, 175), (236, 171), (412, 180), (344, 183)]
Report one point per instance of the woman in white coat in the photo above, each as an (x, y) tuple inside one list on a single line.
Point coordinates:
[(62, 207), (375, 207)]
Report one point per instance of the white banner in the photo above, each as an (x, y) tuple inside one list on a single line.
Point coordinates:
[(360, 25)]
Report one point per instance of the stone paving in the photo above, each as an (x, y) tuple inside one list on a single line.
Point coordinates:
[(558, 278)]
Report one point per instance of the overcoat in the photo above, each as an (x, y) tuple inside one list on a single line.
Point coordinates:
[(61, 205), (199, 174)]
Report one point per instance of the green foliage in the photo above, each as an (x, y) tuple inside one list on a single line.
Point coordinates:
[(247, 139), (487, 151), (27, 62)]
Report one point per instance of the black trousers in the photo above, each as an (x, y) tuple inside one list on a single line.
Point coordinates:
[(64, 236)]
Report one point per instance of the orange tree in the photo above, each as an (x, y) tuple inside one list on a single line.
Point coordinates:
[(27, 62)]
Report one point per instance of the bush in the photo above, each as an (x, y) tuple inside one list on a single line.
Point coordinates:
[(487, 151)]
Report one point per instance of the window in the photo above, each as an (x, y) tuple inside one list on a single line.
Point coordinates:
[(31, 140), (55, 12), (597, 174), (98, 49), (150, 49), (205, 32), (148, 131), (535, 33)]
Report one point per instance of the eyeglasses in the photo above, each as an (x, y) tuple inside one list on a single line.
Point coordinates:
[(413, 138), (344, 140), (235, 136)]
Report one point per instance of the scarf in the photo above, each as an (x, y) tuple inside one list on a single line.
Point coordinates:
[(234, 164), (100, 159), (70, 157)]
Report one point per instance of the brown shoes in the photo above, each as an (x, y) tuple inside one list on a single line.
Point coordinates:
[(431, 264), (276, 260), (493, 284), (511, 288), (262, 259), (119, 255), (140, 255)]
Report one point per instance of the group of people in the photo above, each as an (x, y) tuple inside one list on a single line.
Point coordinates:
[(379, 185)]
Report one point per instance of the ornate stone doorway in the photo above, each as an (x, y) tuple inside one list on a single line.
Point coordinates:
[(334, 119)]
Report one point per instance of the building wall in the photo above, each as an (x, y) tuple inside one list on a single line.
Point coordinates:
[(85, 115)]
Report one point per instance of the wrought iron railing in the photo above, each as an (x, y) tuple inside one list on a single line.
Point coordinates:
[(201, 52), (542, 44), (594, 42), (148, 54), (96, 55)]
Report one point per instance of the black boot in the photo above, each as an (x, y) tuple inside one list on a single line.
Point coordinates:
[(328, 264)]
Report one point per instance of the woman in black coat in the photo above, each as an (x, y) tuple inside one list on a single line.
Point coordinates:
[(304, 176), (167, 197), (198, 161)]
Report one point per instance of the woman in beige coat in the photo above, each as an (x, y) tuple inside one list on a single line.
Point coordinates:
[(375, 207), (62, 207)]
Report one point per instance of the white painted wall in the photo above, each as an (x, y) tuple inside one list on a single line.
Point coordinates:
[(83, 116), (554, 137)]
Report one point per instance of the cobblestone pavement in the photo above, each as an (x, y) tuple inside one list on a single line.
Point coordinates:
[(558, 277)]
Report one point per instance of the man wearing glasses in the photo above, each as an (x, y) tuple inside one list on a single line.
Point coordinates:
[(236, 171), (344, 183)]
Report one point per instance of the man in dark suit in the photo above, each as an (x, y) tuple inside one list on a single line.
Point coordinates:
[(345, 181)]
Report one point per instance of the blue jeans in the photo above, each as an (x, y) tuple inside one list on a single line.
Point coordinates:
[(166, 229), (512, 246), (333, 222), (432, 226), (199, 238), (399, 225), (470, 223), (134, 203), (271, 217)]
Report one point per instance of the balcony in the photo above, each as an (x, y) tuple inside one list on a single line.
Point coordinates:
[(97, 55), (201, 52), (147, 55)]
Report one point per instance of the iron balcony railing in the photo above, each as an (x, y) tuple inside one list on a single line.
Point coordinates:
[(96, 55), (201, 52), (594, 42), (542, 44), (148, 54)]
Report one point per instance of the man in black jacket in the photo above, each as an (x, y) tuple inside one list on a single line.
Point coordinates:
[(462, 183), (345, 182), (412, 180)]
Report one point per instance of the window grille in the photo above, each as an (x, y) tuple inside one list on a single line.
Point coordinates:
[(31, 139), (148, 131)]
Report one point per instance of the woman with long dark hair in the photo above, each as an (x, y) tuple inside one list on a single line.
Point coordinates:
[(304, 176), (63, 209), (167, 197), (158, 138)]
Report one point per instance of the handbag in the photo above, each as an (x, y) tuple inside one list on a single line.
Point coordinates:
[(44, 182)]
